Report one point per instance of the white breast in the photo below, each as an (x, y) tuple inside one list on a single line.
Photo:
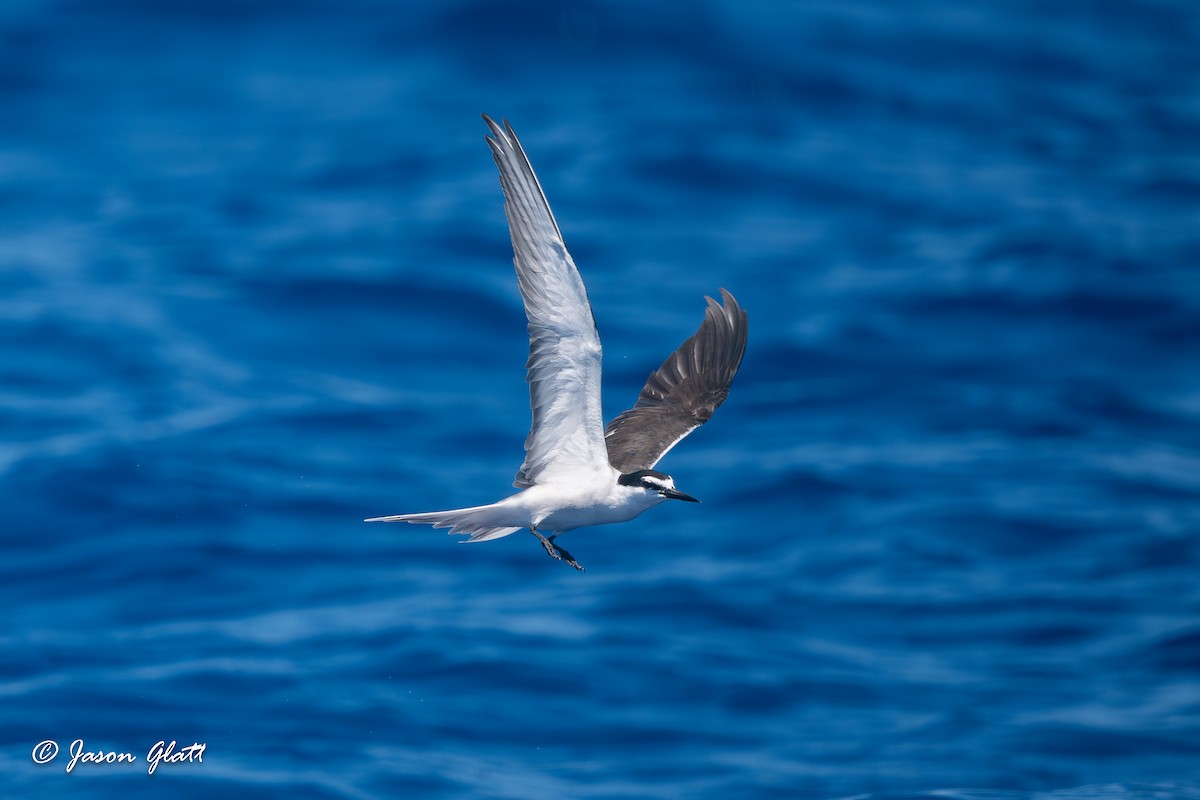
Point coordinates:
[(598, 501)]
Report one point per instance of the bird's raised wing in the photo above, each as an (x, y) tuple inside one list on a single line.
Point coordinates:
[(683, 393), (563, 370)]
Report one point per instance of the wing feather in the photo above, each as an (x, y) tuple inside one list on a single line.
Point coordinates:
[(682, 394), (563, 370)]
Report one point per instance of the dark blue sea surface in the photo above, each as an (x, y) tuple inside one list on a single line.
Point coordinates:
[(256, 285)]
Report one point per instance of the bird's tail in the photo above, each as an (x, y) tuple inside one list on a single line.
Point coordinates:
[(481, 523)]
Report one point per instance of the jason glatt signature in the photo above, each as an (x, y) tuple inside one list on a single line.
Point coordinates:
[(161, 752)]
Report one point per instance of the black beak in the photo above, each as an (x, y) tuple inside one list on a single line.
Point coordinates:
[(675, 495)]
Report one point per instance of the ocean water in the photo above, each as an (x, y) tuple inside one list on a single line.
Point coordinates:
[(255, 285)]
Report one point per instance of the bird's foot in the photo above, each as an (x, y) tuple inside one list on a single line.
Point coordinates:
[(549, 546), (556, 552), (567, 557)]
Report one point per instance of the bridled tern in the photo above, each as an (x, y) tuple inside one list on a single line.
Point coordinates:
[(577, 472)]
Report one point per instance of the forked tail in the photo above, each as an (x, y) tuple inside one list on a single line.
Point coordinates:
[(481, 523)]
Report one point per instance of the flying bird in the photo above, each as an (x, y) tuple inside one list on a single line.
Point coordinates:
[(577, 472)]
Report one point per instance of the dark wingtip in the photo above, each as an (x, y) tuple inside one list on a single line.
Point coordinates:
[(502, 130), (732, 306), (496, 130)]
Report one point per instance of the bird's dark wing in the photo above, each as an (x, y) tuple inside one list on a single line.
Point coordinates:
[(683, 393)]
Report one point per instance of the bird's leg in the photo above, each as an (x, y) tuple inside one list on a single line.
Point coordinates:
[(563, 554), (551, 550), (554, 551)]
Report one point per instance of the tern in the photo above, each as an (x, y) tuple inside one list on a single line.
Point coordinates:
[(577, 472)]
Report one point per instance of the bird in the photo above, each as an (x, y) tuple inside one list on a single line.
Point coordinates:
[(577, 471)]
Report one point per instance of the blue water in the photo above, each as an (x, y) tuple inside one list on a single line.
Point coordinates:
[(255, 285)]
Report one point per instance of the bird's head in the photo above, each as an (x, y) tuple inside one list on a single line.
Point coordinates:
[(657, 482)]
